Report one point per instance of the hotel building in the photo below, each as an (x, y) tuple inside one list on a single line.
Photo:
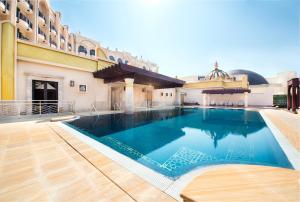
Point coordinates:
[(41, 60)]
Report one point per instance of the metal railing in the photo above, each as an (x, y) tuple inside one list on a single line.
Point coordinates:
[(19, 108)]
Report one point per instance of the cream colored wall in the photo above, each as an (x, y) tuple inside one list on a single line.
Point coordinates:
[(262, 95), (193, 96), (97, 91), (218, 99), (164, 100)]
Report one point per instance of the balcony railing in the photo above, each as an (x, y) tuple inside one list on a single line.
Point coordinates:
[(19, 108), (29, 4), (21, 16), (62, 39), (52, 43), (21, 36), (52, 28), (6, 5), (40, 32), (69, 47), (42, 16)]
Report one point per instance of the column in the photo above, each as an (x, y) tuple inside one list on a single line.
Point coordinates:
[(293, 98), (246, 99), (204, 99), (7, 61), (177, 97), (129, 99), (289, 97)]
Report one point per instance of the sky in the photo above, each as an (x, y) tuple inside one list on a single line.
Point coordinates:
[(186, 37)]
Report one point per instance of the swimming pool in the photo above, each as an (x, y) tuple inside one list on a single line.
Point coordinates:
[(174, 142)]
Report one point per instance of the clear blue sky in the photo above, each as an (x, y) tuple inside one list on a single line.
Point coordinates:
[(185, 37)]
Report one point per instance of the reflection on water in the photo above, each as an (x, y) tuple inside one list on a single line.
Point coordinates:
[(174, 142)]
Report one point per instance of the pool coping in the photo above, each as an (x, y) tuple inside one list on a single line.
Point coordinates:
[(174, 187), (290, 151)]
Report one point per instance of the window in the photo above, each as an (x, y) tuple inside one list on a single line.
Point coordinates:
[(82, 49), (171, 94), (82, 88), (161, 94), (92, 52), (126, 62), (120, 61), (111, 58), (167, 94), (144, 67)]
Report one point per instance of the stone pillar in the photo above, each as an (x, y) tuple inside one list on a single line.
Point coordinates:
[(204, 99), (289, 97), (129, 99), (8, 61), (177, 97), (246, 99)]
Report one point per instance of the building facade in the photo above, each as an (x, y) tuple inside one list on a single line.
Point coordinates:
[(41, 60)]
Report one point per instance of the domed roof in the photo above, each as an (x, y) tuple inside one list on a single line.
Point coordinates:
[(253, 78), (217, 74)]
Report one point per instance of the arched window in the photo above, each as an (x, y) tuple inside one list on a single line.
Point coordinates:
[(144, 67), (92, 52), (126, 62), (111, 58), (82, 49), (120, 60)]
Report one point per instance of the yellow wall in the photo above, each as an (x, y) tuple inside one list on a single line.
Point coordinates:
[(101, 54), (7, 61), (53, 56), (218, 84)]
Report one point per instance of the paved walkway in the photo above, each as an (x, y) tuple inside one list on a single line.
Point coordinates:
[(38, 164)]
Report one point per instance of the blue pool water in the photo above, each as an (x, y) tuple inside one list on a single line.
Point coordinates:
[(174, 142)]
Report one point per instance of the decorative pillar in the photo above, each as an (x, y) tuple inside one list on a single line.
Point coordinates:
[(204, 99), (294, 100), (289, 97), (177, 97), (7, 71), (129, 96), (246, 99)]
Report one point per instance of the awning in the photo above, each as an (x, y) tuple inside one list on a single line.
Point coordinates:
[(226, 91), (120, 71)]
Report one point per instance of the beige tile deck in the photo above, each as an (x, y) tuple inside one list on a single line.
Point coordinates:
[(38, 165), (245, 183), (43, 162)]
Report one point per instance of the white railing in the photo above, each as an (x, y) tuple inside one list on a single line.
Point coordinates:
[(34, 107), (99, 106)]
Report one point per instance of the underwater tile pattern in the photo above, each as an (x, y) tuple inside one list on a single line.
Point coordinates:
[(175, 142)]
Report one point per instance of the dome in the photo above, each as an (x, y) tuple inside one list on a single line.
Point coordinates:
[(253, 78), (217, 74)]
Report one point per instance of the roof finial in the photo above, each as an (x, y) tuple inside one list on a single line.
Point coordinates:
[(216, 65)]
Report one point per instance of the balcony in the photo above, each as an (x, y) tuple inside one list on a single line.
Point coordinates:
[(26, 5), (52, 29), (23, 21), (21, 36), (41, 35), (53, 44), (62, 39), (42, 19), (69, 47), (4, 7)]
